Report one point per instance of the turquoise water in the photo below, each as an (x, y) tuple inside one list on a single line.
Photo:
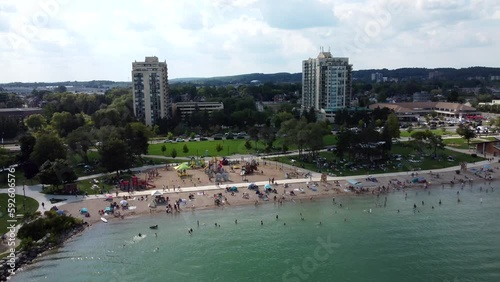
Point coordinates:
[(452, 242)]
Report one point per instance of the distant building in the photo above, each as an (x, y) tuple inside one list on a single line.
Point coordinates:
[(493, 102), (495, 77), (187, 108), (19, 112), (434, 74), (150, 90), (421, 96), (376, 76), (326, 84), (416, 109)]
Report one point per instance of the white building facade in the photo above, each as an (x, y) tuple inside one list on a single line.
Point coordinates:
[(326, 84), (150, 90)]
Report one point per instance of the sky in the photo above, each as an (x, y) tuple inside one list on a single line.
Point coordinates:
[(66, 40)]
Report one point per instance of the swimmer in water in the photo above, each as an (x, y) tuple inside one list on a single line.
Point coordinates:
[(140, 235)]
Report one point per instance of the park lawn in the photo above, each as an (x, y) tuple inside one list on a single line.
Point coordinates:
[(395, 166), (229, 147), (31, 205), (461, 143), (203, 148), (405, 133)]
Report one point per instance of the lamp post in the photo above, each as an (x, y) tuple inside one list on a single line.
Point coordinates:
[(24, 199)]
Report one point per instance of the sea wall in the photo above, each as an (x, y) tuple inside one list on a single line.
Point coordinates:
[(10, 265)]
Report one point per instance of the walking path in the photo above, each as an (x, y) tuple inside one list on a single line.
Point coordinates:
[(35, 191)]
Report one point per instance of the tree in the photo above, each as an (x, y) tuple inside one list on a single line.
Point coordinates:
[(393, 126), (466, 133), (248, 145), (56, 172), (219, 147), (267, 135), (115, 155), (35, 122), (435, 142), (60, 89), (64, 122), (163, 149), (173, 154), (185, 149), (79, 141), (48, 148), (27, 143), (315, 132), (253, 132), (137, 135)]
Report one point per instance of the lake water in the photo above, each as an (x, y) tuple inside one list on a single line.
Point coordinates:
[(452, 242)]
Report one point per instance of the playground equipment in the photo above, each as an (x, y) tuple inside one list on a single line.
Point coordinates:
[(197, 163), (135, 184), (219, 177), (249, 167)]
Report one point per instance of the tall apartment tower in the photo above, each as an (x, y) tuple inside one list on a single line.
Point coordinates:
[(150, 89), (326, 84)]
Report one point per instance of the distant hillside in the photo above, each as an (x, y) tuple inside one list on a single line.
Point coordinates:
[(423, 73), (282, 77)]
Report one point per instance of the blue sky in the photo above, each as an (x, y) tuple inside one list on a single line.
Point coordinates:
[(58, 40)]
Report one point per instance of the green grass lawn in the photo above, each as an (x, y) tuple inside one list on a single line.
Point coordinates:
[(31, 205), (404, 133), (427, 163), (461, 143), (229, 147)]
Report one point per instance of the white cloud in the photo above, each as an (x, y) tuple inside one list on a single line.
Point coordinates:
[(84, 40)]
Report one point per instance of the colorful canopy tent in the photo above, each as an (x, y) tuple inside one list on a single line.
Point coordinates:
[(182, 166), (156, 193), (354, 183), (419, 180)]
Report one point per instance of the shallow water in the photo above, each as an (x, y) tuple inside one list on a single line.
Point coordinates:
[(452, 242)]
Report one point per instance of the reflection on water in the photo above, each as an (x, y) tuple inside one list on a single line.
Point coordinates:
[(412, 238)]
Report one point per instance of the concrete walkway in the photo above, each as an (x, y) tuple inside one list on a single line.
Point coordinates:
[(34, 191)]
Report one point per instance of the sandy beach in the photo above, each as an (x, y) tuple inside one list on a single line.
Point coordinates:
[(204, 191)]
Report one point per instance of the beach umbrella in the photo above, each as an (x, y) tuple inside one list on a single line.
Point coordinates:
[(123, 203), (156, 193), (108, 209), (84, 210), (268, 186), (251, 185)]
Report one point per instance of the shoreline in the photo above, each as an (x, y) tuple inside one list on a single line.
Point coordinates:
[(204, 197), (331, 188)]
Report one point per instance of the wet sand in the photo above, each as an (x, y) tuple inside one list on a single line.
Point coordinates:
[(204, 197)]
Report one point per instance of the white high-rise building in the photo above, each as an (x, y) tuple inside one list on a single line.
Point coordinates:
[(326, 84), (150, 90)]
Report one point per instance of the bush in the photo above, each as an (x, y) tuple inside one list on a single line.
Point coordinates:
[(473, 155)]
